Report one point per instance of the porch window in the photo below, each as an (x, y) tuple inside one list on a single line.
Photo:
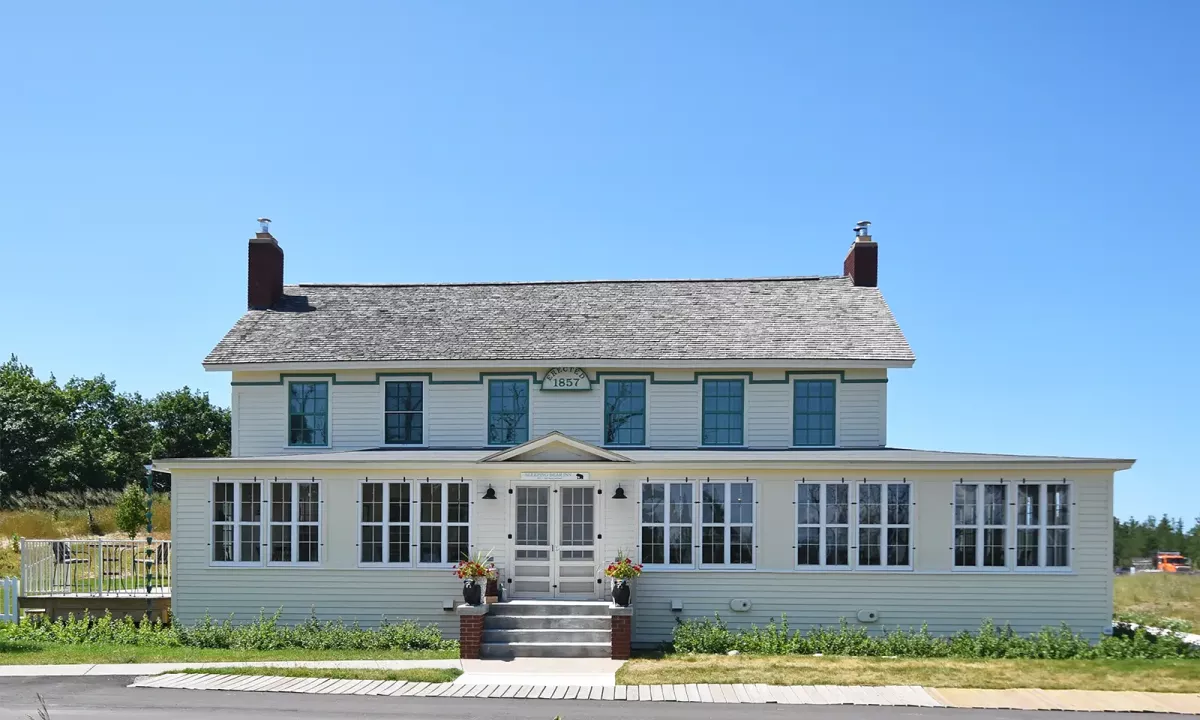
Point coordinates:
[(295, 522), (444, 522), (723, 404), (812, 412), (308, 414), (404, 412), (727, 523), (668, 517), (236, 522), (980, 526), (508, 412), (884, 517), (385, 523), (1043, 525), (625, 412), (823, 525)]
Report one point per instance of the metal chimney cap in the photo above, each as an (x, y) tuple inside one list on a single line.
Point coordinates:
[(264, 223)]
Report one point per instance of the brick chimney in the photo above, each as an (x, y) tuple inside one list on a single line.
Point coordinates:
[(862, 262), (264, 285)]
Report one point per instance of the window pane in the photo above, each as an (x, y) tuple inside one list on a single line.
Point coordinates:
[(508, 412), (222, 543), (722, 412), (741, 503), (308, 406), (251, 509), (399, 509), (681, 545), (309, 549), (869, 542), (712, 546), (1027, 546), (993, 547), (625, 412), (964, 546), (281, 543), (681, 503), (653, 546), (813, 412), (897, 546), (458, 503), (964, 505), (898, 504), (808, 546), (372, 502), (250, 546), (870, 511), (995, 505), (837, 504), (223, 502), (310, 502), (371, 545), (458, 545), (712, 508), (403, 428), (1028, 508), (281, 502), (653, 509), (837, 546), (808, 504), (741, 545), (431, 544), (404, 397), (1058, 505), (399, 537), (431, 502), (1058, 547)]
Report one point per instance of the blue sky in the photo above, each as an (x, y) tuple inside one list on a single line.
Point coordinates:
[(1030, 168)]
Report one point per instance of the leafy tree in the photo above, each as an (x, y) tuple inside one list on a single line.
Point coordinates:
[(35, 431), (187, 424), (131, 510), (112, 435)]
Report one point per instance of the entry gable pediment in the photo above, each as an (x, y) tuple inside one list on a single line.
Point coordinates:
[(555, 447)]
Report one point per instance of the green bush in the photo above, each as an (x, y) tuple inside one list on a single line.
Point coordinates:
[(265, 633), (130, 511), (706, 637)]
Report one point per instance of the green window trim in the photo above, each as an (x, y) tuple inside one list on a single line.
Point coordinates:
[(404, 412), (625, 412), (308, 414), (508, 412), (814, 413), (723, 406)]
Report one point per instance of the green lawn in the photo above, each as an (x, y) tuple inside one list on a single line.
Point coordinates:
[(47, 654), (430, 675), (1146, 675)]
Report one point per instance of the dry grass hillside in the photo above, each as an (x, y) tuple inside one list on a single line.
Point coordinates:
[(1164, 595)]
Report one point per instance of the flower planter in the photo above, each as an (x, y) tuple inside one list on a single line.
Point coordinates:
[(472, 593), (621, 593)]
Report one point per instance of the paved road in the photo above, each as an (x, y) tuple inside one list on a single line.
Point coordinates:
[(107, 698)]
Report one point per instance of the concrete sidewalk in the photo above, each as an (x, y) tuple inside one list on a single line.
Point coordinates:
[(887, 696), (131, 669)]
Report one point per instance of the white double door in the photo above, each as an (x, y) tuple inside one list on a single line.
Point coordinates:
[(554, 551)]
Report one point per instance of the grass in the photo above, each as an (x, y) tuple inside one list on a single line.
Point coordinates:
[(1144, 675), (53, 523), (430, 675), (47, 654), (1158, 595)]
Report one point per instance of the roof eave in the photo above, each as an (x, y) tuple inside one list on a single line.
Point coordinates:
[(781, 363)]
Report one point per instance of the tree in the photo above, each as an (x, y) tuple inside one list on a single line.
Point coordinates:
[(113, 435), (131, 510), (187, 424), (35, 431)]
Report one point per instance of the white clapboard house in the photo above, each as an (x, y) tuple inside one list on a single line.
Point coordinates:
[(731, 435)]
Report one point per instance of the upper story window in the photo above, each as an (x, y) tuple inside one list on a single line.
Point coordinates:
[(308, 414), (508, 412), (404, 412), (625, 412), (723, 407), (813, 412)]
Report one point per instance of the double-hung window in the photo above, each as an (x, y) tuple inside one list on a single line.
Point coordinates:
[(688, 524), (822, 525), (884, 525), (723, 404), (625, 412), (385, 523), (980, 525), (668, 519), (295, 522), (236, 522), (508, 412), (813, 412), (404, 412), (308, 414), (1043, 525), (444, 522)]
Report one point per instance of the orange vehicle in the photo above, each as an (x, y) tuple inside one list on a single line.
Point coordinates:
[(1172, 561)]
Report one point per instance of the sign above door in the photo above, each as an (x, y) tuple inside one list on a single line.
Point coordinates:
[(566, 378), (555, 476)]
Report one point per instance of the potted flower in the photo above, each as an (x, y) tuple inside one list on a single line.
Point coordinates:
[(470, 571), (622, 570)]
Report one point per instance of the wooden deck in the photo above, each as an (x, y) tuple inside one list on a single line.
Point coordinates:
[(134, 605)]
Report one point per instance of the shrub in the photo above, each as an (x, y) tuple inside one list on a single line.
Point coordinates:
[(265, 633), (130, 511), (705, 636)]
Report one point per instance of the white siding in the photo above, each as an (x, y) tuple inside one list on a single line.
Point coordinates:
[(261, 423), (673, 415), (575, 413), (356, 416), (456, 415), (768, 415), (861, 416)]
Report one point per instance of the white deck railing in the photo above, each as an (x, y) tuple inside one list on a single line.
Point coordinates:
[(95, 567), (9, 591)]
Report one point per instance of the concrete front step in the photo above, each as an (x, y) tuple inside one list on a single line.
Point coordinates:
[(502, 651), (548, 608), (547, 635), (556, 622)]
